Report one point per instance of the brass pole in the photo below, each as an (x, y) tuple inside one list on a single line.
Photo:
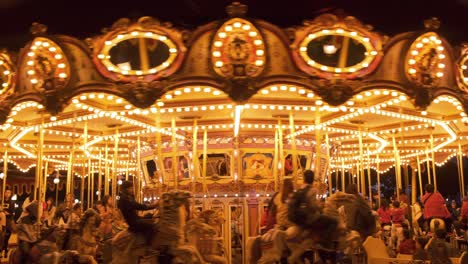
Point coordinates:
[(378, 176), (88, 196), (5, 173), (428, 165), (44, 185), (413, 186), (361, 165), (275, 162), (99, 175), (114, 163), (143, 54), (293, 147), (344, 53), (82, 181), (174, 154), (37, 187), (195, 161), (342, 175), (433, 163), (159, 157), (138, 170), (85, 148), (369, 174), (92, 187), (281, 149), (318, 143), (460, 153), (419, 175), (106, 170), (327, 143), (69, 170), (397, 168), (205, 158)]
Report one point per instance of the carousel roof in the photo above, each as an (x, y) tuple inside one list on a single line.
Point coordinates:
[(240, 79)]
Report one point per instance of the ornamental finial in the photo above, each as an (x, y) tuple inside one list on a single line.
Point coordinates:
[(236, 9), (432, 23), (38, 28)]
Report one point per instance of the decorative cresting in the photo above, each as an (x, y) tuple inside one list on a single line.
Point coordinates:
[(336, 48), (7, 73), (425, 60), (44, 67), (238, 49), (462, 75), (145, 50)]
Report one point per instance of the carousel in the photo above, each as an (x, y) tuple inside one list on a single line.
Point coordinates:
[(229, 110)]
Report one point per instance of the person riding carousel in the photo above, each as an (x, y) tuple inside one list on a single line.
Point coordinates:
[(129, 207)]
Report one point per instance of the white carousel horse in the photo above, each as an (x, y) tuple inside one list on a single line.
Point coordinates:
[(202, 233), (129, 248)]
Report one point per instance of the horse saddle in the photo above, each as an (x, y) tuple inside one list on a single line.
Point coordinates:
[(125, 239)]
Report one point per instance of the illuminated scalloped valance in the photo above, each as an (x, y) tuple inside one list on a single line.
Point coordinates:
[(6, 73), (137, 53), (45, 61), (238, 49), (425, 60)]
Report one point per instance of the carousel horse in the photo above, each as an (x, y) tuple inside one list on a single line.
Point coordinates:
[(83, 239), (202, 233), (169, 238), (337, 228), (46, 249)]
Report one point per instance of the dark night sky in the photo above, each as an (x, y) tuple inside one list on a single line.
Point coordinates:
[(83, 18)]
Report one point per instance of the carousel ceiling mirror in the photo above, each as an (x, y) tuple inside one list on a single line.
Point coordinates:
[(331, 47), (138, 53)]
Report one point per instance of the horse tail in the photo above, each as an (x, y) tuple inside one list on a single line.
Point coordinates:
[(255, 250)]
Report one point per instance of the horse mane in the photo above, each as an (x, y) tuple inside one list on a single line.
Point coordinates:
[(255, 248), (87, 215)]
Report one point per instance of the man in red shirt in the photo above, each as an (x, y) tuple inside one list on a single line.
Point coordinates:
[(464, 211), (397, 213), (434, 204)]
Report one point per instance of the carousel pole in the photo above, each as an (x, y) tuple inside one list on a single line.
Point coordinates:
[(82, 181), (205, 158), (69, 170), (318, 143), (114, 163), (37, 187), (361, 164), (378, 176), (397, 168), (419, 175), (433, 163), (281, 149), (92, 187), (460, 164), (127, 165), (342, 175), (369, 174), (327, 143), (85, 142), (174, 154), (88, 196), (293, 147), (428, 165), (413, 186), (5, 172), (138, 170), (275, 162), (44, 186), (106, 170), (159, 156), (195, 161), (99, 175)]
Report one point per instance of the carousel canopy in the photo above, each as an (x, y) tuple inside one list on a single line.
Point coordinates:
[(237, 83)]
